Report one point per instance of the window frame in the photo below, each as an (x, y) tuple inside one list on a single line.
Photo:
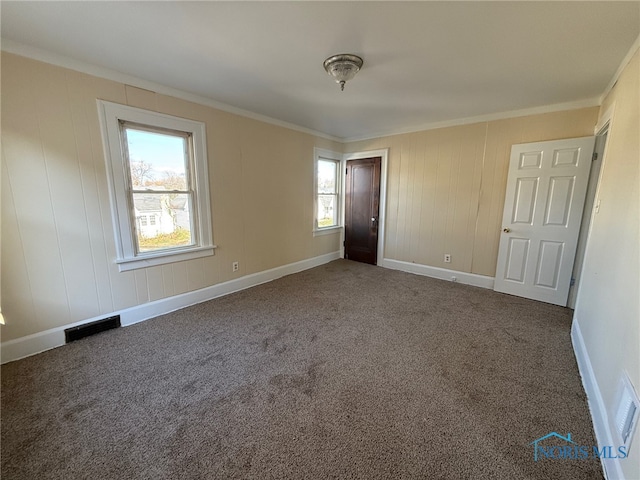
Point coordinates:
[(112, 115), (320, 154), (189, 191)]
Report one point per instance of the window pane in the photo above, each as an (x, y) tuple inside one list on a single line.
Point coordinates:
[(326, 176), (327, 211), (157, 160), (171, 227)]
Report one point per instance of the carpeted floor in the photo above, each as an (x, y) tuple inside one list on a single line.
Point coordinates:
[(343, 371)]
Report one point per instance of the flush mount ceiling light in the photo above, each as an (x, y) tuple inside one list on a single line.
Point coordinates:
[(343, 67)]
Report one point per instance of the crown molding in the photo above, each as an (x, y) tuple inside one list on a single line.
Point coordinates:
[(52, 58), (46, 56), (627, 58), (589, 102)]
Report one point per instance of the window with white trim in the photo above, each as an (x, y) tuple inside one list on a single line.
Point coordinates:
[(327, 191), (159, 186)]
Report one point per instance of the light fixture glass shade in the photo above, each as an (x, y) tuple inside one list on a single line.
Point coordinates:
[(343, 67)]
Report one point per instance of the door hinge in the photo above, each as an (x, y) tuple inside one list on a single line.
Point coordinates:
[(344, 243), (594, 157), (346, 171), (572, 282)]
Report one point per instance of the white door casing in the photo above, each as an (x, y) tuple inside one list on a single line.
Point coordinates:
[(546, 189)]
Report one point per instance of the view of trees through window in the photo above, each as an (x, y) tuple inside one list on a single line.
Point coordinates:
[(327, 199), (162, 199)]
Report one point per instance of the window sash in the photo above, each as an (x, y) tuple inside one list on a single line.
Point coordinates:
[(323, 157), (165, 200), (188, 166), (335, 215)]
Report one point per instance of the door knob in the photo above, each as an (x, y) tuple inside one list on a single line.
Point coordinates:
[(506, 230)]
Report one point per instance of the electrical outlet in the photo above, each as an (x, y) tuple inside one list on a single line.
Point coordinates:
[(447, 258), (235, 266), (454, 279)]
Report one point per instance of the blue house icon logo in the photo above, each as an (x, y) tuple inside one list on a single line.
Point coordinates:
[(564, 448), (535, 443)]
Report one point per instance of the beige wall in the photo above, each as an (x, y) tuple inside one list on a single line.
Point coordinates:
[(57, 238), (608, 305), (446, 186)]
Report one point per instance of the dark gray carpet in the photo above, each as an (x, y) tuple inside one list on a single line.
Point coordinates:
[(342, 371)]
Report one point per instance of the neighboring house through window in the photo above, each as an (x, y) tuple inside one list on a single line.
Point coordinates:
[(159, 187), (327, 188)]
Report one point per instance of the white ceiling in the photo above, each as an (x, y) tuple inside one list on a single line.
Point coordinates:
[(424, 62)]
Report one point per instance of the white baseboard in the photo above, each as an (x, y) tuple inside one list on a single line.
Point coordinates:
[(440, 273), (41, 341), (599, 417)]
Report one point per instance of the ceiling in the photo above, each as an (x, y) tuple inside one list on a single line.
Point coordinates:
[(424, 62)]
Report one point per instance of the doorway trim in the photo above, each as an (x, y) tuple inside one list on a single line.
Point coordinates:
[(382, 215), (593, 187), (603, 126)]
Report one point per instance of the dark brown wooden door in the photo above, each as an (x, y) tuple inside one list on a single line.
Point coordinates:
[(362, 204)]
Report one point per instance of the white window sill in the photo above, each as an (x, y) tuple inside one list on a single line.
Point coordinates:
[(327, 231), (152, 260)]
